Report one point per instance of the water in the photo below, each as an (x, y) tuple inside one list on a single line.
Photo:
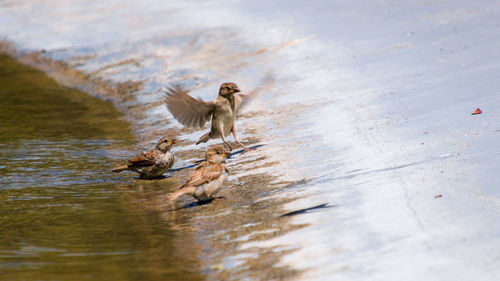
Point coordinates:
[(63, 216), (364, 109)]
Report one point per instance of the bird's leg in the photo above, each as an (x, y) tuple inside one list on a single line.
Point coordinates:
[(235, 134), (221, 131)]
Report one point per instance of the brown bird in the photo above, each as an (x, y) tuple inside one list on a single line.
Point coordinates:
[(207, 178), (153, 163), (194, 113)]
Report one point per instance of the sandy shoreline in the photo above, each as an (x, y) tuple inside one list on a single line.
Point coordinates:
[(195, 228)]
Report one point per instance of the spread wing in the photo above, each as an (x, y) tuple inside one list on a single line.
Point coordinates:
[(204, 173), (144, 159), (239, 100), (187, 110), (242, 99)]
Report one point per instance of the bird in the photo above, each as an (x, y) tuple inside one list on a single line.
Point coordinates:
[(195, 113), (207, 178), (153, 163)]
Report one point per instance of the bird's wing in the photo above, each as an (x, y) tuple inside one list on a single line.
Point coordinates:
[(146, 158), (239, 100), (187, 110), (204, 173), (242, 99)]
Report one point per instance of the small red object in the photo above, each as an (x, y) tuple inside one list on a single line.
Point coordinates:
[(477, 111)]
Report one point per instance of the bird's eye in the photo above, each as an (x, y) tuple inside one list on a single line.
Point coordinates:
[(227, 88), (218, 152)]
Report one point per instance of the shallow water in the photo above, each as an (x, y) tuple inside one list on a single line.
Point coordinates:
[(63, 216), (363, 107)]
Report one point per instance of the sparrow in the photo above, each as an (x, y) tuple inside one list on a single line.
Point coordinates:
[(207, 178), (194, 113), (153, 163)]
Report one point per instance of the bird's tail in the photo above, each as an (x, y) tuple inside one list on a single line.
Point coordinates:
[(119, 169), (204, 138), (185, 190)]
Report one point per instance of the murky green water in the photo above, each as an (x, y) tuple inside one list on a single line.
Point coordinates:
[(63, 216)]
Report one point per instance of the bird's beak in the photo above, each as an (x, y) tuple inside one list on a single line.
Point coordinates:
[(226, 153), (171, 142), (235, 90)]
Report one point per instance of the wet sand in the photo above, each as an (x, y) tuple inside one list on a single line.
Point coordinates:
[(152, 238)]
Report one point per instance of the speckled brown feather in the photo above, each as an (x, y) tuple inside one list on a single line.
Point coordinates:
[(207, 178), (153, 163), (203, 173), (144, 159)]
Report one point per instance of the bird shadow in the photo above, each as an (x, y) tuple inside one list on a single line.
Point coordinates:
[(162, 177), (239, 151), (198, 203), (182, 168), (306, 210)]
